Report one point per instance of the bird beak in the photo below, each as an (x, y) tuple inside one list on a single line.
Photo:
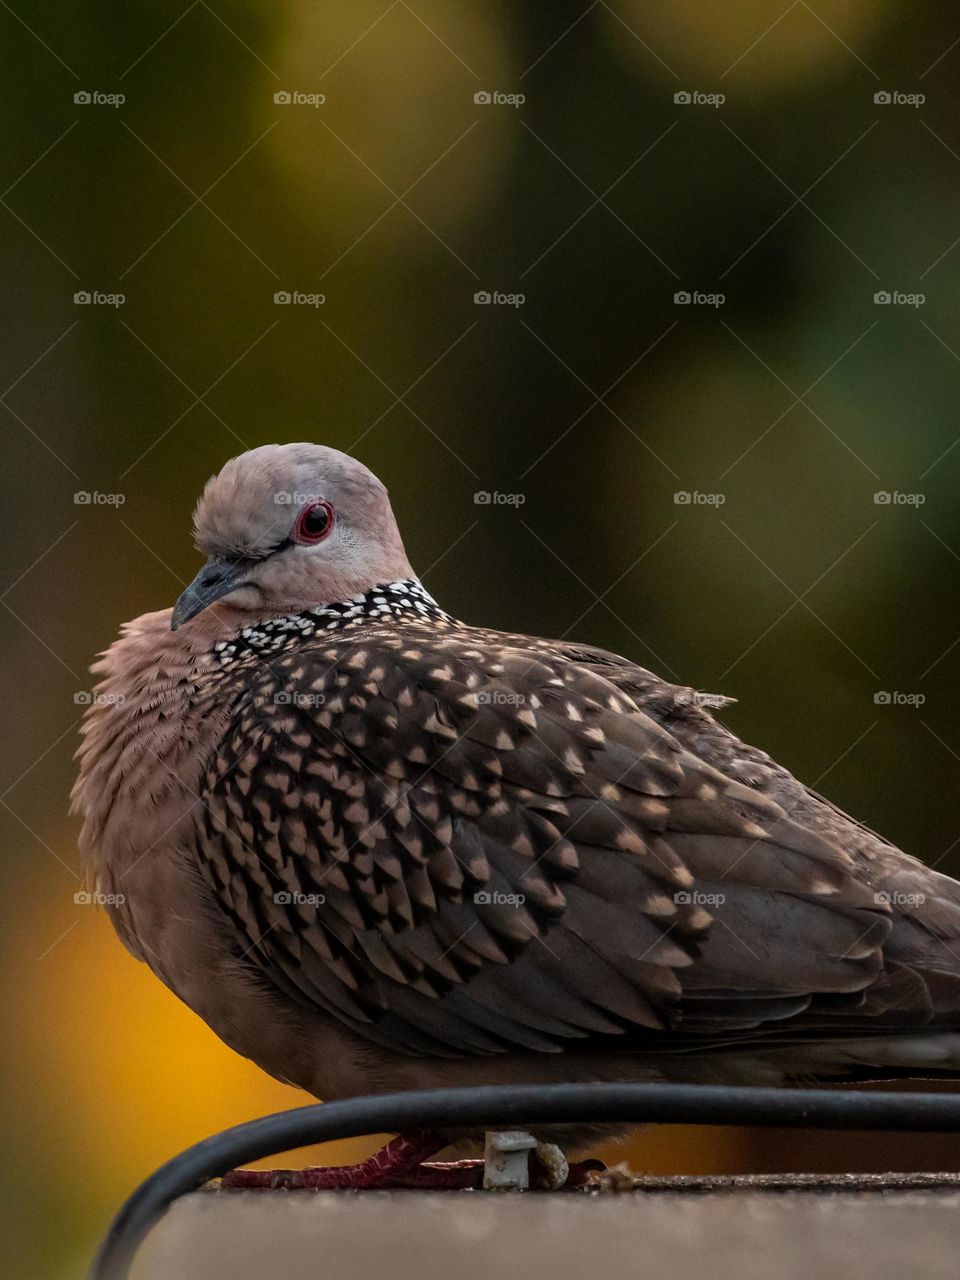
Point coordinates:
[(216, 579)]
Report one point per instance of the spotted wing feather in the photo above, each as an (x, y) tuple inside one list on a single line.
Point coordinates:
[(458, 846)]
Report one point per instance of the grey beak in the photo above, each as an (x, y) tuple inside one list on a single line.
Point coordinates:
[(217, 578)]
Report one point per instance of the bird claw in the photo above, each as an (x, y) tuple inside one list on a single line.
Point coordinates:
[(402, 1155), (403, 1165)]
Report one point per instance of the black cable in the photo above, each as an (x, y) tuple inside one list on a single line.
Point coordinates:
[(498, 1105)]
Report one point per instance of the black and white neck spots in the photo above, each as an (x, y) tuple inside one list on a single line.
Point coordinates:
[(406, 600)]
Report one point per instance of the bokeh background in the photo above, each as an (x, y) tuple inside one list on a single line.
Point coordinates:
[(782, 410)]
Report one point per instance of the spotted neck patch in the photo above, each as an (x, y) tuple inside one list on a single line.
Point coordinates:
[(406, 600)]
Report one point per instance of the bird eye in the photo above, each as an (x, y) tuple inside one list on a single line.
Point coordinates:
[(313, 524)]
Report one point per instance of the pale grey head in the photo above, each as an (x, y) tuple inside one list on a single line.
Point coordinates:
[(289, 526)]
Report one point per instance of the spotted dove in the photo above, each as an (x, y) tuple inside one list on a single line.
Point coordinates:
[(378, 848)]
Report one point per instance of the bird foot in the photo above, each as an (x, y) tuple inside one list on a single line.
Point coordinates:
[(403, 1164), (403, 1155)]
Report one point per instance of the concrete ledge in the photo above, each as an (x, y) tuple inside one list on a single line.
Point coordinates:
[(835, 1227)]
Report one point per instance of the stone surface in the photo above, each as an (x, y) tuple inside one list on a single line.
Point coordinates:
[(781, 1227)]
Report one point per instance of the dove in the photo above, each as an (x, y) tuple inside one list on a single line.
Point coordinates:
[(378, 848)]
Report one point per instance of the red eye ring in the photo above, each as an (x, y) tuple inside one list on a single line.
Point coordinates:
[(313, 524)]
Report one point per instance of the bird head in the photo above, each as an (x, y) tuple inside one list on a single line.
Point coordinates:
[(288, 527)]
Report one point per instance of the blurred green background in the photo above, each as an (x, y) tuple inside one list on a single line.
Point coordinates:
[(782, 411)]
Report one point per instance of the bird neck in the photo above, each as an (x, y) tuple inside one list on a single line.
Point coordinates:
[(406, 599)]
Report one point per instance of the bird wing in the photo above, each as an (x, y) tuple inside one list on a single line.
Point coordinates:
[(462, 847), (920, 982)]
